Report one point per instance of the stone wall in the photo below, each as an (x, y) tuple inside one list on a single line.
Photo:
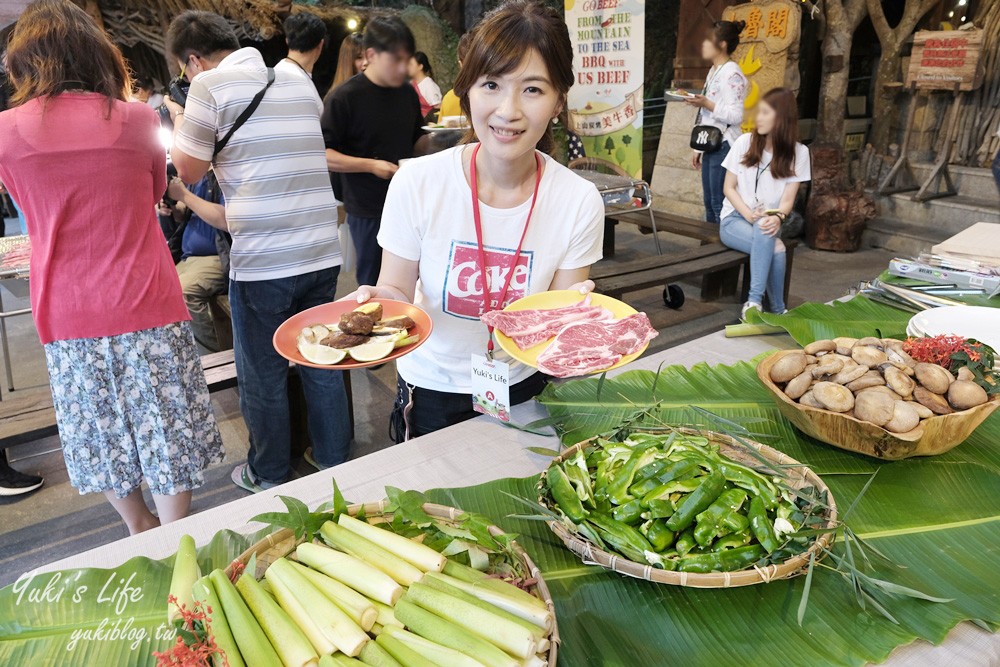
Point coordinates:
[(676, 186)]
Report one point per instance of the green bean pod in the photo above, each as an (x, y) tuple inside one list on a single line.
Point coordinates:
[(729, 560), (564, 494)]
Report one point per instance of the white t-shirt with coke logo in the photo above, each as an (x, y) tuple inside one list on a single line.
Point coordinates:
[(428, 219), (757, 182)]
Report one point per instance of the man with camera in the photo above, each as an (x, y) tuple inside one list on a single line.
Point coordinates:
[(259, 128)]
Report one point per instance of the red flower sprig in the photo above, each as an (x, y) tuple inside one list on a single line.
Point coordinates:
[(199, 647), (939, 349)]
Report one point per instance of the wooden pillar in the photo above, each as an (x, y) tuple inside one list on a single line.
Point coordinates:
[(696, 19)]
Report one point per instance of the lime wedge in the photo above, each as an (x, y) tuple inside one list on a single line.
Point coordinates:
[(371, 351), (321, 354)]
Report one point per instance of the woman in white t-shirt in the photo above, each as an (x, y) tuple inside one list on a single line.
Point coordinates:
[(763, 172), (542, 225), (720, 106), (420, 73)]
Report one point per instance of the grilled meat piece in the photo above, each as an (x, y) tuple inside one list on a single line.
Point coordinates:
[(401, 322), (356, 323), (342, 341)]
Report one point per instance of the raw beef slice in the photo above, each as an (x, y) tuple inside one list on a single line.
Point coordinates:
[(586, 347), (528, 328)]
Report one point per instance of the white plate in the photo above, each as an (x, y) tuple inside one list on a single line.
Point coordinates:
[(678, 94), (977, 322)]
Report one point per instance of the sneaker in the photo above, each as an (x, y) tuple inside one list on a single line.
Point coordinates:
[(308, 458), (746, 308), (243, 478), (14, 483)]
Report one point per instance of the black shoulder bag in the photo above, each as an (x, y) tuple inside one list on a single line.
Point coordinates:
[(706, 138), (245, 116)]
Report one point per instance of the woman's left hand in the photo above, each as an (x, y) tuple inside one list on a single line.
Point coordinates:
[(585, 287), (701, 101), (770, 225)]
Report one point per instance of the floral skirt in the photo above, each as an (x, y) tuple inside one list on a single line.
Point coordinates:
[(133, 406)]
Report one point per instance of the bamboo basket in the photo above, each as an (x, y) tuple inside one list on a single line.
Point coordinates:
[(934, 435), (282, 543), (798, 477)]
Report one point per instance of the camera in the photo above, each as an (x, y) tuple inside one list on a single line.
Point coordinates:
[(177, 91)]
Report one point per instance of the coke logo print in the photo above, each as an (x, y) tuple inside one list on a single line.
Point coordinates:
[(463, 284)]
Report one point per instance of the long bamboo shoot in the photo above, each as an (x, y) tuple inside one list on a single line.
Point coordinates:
[(218, 625), (409, 550), (436, 629), (361, 610), (400, 570), (246, 630), (438, 654), (350, 571), (287, 639)]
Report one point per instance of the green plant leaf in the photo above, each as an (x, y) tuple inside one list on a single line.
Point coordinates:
[(857, 317)]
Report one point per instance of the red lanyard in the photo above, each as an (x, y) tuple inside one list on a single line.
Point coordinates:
[(473, 176)]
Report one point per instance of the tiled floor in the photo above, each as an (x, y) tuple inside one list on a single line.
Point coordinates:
[(56, 521)]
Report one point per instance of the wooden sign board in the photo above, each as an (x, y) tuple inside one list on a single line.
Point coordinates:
[(942, 58)]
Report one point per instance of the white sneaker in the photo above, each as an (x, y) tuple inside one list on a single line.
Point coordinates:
[(746, 307)]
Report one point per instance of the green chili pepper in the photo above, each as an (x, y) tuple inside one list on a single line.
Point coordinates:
[(697, 501), (762, 526), (664, 491), (626, 539), (735, 522), (660, 509), (564, 495), (659, 535), (673, 471), (750, 480), (629, 513), (732, 541), (685, 542), (579, 476), (721, 561), (709, 522), (618, 489)]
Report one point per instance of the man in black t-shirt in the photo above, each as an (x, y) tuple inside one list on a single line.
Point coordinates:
[(370, 123)]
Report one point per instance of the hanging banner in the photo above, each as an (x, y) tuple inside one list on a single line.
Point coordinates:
[(605, 104)]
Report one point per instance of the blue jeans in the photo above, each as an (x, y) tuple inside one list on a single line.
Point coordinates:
[(259, 307), (767, 259), (713, 177), (364, 232)]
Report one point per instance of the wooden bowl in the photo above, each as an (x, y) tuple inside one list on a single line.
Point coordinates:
[(282, 544), (799, 476), (935, 435)]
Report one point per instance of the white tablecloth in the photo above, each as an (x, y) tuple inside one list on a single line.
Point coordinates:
[(474, 452)]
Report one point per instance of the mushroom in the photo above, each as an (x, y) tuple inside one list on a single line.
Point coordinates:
[(834, 397), (904, 418), (933, 377), (922, 410), (870, 379), (811, 359), (898, 357), (892, 344), (868, 356), (788, 366), (809, 399), (898, 381), (882, 389), (934, 402), (965, 374), (874, 407), (820, 346), (845, 344), (870, 341), (851, 372), (798, 385), (827, 365), (964, 394)]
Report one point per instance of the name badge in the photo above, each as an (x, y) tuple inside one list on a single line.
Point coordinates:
[(491, 387)]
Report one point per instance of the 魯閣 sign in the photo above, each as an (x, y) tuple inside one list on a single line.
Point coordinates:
[(605, 103), (943, 58)]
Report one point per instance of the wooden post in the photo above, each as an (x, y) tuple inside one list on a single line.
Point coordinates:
[(931, 189), (902, 167)]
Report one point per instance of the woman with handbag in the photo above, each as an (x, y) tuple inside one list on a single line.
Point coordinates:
[(720, 113), (763, 173)]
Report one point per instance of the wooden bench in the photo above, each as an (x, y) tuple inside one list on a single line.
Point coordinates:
[(30, 415), (720, 266), (705, 232)]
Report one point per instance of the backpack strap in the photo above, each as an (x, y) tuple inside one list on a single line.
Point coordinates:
[(245, 116)]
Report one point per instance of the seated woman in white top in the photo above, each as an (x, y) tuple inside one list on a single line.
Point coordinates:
[(541, 224), (420, 73), (763, 172)]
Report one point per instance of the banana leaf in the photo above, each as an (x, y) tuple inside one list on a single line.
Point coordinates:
[(96, 616), (857, 317)]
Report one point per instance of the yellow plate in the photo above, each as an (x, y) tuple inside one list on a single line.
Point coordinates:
[(558, 299)]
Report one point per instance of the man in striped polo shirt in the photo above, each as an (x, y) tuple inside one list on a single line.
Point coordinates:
[(282, 216)]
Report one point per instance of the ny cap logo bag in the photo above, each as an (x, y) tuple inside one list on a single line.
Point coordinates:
[(706, 138)]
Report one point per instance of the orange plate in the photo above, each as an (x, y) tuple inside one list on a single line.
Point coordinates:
[(329, 313)]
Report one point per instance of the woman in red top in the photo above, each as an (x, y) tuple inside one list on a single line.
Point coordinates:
[(87, 168)]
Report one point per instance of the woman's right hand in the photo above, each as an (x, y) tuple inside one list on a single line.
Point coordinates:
[(368, 292), (695, 160)]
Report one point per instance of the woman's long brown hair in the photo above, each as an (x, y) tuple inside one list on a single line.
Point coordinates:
[(501, 41), (55, 47), (350, 50), (784, 135)]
